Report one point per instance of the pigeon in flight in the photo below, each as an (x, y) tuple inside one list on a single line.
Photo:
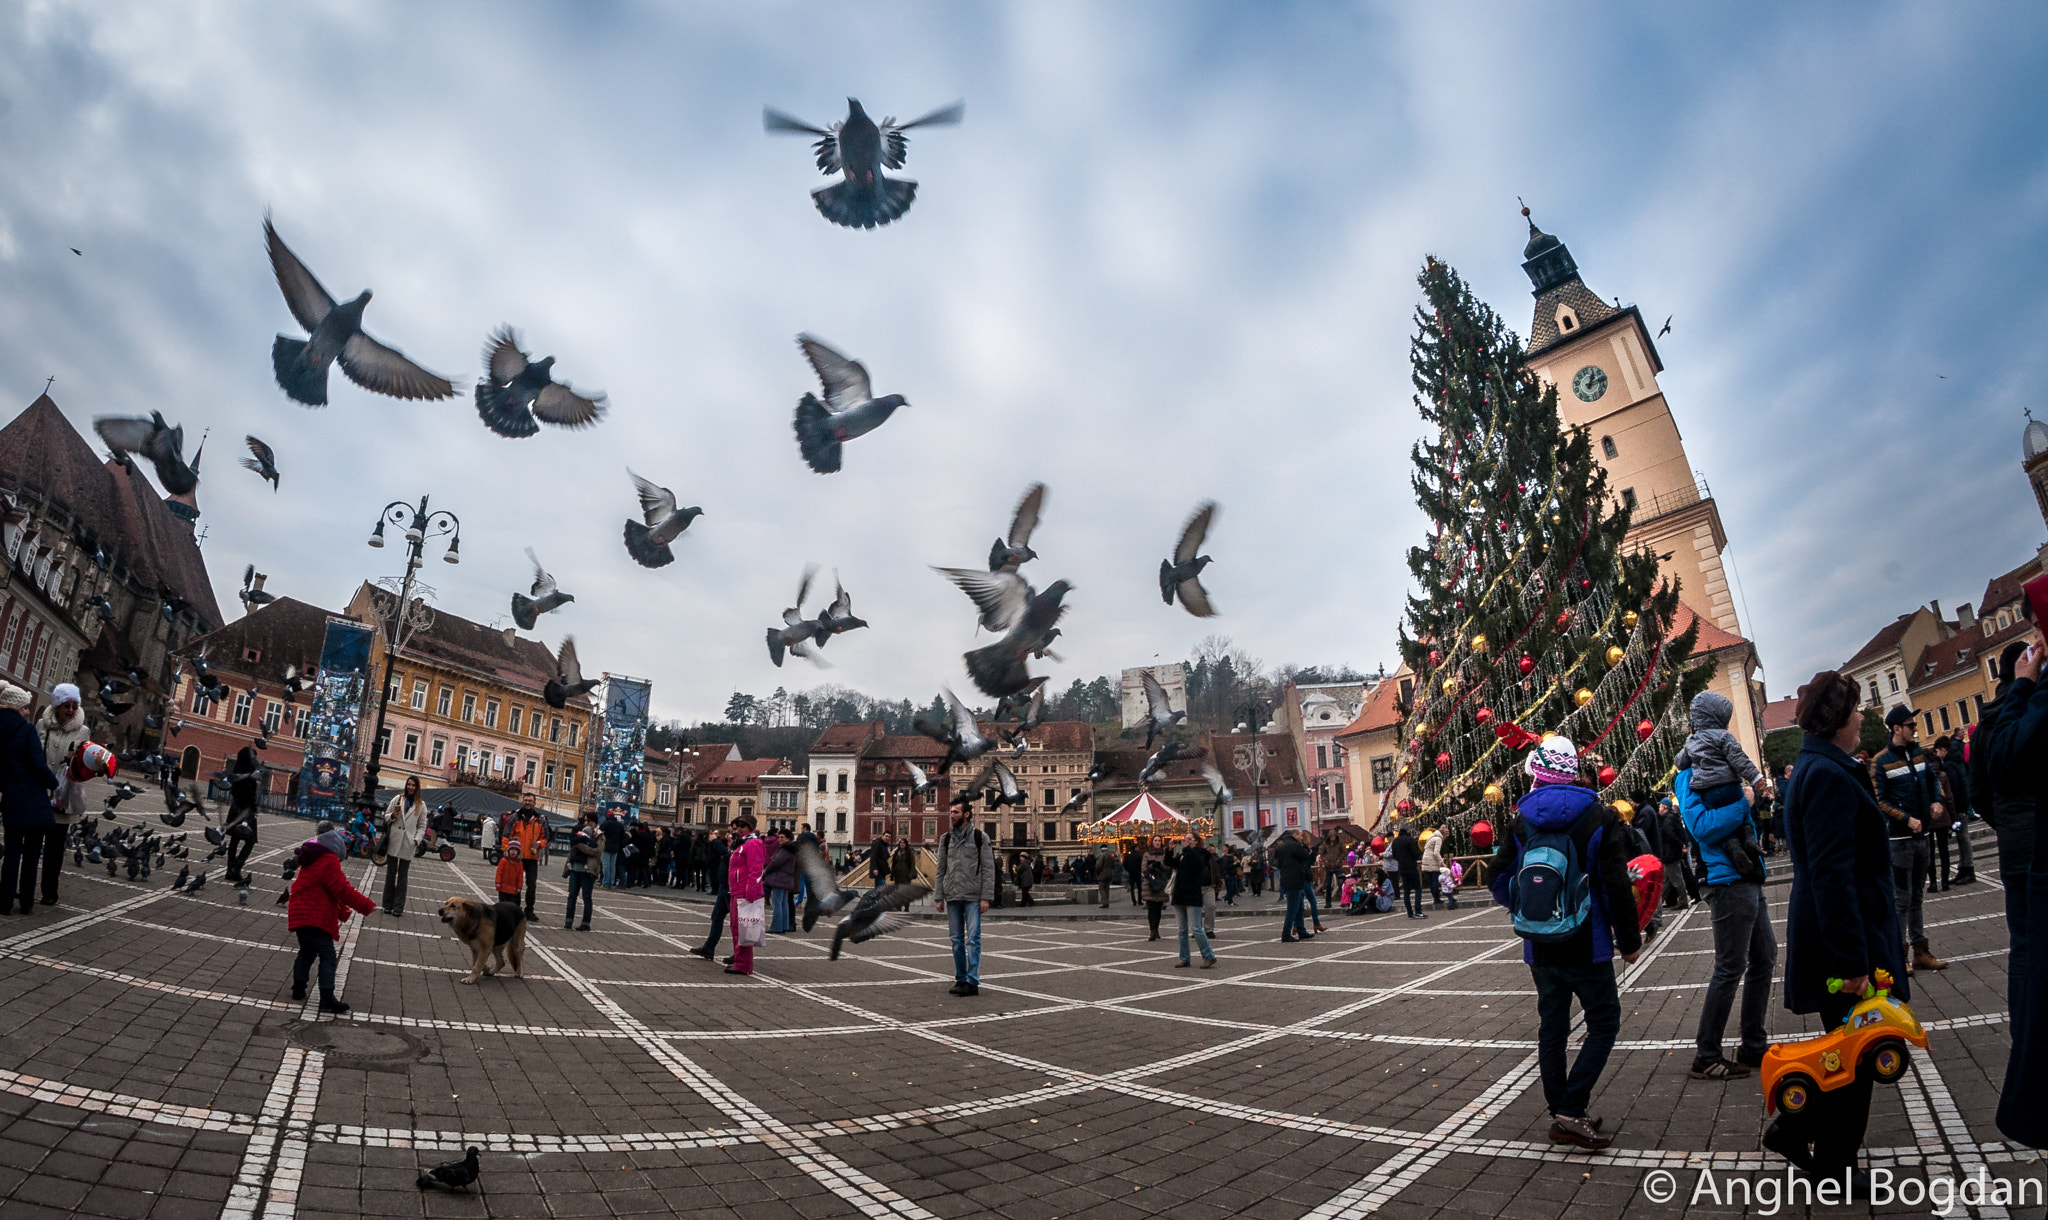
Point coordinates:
[(1074, 803), (568, 681), (154, 439), (253, 594), (455, 1174), (1008, 554), (1667, 326), (647, 540), (1180, 574), (869, 913), (546, 596), (520, 394), (850, 408), (999, 669), (1217, 788), (998, 786), (798, 635), (860, 148), (1001, 596), (1027, 705), (261, 460), (1168, 751), (337, 334), (105, 608), (838, 617), (1159, 713), (921, 782), (960, 734)]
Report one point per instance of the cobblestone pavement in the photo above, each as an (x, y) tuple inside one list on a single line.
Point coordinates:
[(153, 1065)]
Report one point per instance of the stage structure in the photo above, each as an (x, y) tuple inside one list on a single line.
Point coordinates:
[(335, 718)]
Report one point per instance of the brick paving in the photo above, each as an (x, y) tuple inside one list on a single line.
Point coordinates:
[(152, 1064)]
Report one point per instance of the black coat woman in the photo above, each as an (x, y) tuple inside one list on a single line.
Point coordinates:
[(25, 813), (239, 826), (1191, 877), (1842, 920)]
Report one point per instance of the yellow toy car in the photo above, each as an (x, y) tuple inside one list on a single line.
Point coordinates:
[(1870, 1042)]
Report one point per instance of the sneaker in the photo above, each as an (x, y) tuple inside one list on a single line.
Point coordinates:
[(332, 1004), (1717, 1069), (968, 989), (956, 989), (1579, 1133)]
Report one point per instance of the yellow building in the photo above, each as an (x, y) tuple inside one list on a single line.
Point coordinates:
[(1604, 363), (1372, 750)]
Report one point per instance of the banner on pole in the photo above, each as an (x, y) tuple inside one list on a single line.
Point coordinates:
[(334, 718), (622, 750)]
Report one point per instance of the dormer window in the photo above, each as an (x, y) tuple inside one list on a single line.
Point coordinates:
[(1566, 319), (252, 655)]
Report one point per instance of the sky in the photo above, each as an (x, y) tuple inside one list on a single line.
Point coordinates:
[(1169, 256)]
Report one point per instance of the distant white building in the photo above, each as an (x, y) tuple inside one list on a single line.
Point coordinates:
[(1173, 677)]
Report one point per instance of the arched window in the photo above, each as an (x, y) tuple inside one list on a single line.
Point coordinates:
[(1607, 447)]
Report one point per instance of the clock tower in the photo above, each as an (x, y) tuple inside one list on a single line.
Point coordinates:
[(1603, 361)]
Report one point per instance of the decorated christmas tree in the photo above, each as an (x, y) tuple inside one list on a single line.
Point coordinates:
[(1534, 617)]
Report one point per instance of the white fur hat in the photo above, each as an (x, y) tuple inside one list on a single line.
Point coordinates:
[(13, 696)]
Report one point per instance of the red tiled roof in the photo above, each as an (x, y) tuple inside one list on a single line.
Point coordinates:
[(1379, 711), (914, 747), (1125, 764), (741, 771), (523, 664), (284, 632), (1778, 714), (1711, 638), (846, 738), (2004, 590), (1940, 661), (1884, 641)]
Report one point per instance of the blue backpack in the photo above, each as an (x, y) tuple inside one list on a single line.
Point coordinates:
[(1550, 897)]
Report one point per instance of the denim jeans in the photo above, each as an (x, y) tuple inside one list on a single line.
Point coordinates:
[(315, 944), (1292, 926), (1745, 952), (963, 923), (1909, 877), (584, 883), (778, 911), (1191, 920), (1594, 985), (611, 869)]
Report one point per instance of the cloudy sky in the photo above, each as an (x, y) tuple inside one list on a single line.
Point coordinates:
[(1169, 256)]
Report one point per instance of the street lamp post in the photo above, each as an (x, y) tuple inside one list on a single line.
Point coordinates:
[(1252, 718), (406, 617)]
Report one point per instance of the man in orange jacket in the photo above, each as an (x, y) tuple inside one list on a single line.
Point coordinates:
[(530, 832)]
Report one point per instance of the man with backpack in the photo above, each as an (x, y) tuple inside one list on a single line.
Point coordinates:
[(1562, 872), (967, 887), (1745, 951)]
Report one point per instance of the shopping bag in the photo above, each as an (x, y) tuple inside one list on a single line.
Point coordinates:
[(751, 916), (1646, 877)]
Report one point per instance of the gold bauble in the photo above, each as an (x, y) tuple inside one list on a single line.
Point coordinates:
[(1556, 519), (1478, 643), (1630, 619), (1493, 794), (1582, 696), (1450, 686), (1615, 654), (1626, 810)]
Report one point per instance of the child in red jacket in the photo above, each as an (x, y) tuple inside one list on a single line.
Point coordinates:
[(321, 899)]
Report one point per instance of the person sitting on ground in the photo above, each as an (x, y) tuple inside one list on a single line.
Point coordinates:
[(321, 897)]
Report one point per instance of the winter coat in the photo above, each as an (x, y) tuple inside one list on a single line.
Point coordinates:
[(1294, 860), (406, 823), (321, 895), (1158, 876), (967, 865), (1712, 828), (1670, 836), (743, 870), (1433, 854), (2017, 762), (586, 846), (1191, 875), (1603, 854), (614, 834), (1841, 920), (1712, 752), (1406, 854), (58, 742), (2008, 809), (903, 865), (1907, 782), (530, 833), (781, 871), (878, 861), (718, 864), (25, 779)]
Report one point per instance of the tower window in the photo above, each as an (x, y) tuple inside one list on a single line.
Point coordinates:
[(1628, 497), (1566, 319), (1607, 447)]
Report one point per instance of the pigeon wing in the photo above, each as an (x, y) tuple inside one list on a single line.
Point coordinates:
[(918, 777), (1006, 782), (845, 381), (563, 407), (1000, 596), (891, 921), (1194, 598), (263, 453), (566, 665), (124, 433), (657, 504), (775, 120), (502, 357), (842, 602), (1156, 703), (963, 720), (901, 896), (386, 370), (803, 590), (896, 147), (303, 295), (1215, 778), (817, 871), (1193, 533), (1025, 519), (543, 584)]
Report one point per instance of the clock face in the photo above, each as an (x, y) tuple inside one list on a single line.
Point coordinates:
[(1589, 383)]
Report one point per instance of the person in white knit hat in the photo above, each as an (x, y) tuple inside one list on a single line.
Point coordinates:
[(61, 727), (25, 814)]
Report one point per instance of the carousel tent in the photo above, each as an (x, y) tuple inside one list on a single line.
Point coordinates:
[(1143, 809)]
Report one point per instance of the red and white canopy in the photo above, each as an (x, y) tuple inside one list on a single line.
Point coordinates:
[(1143, 808)]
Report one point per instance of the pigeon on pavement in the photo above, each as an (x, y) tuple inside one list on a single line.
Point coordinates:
[(520, 394), (999, 669), (881, 908), (154, 439), (648, 540), (797, 635), (261, 460), (337, 334), (1159, 713), (850, 408), (197, 882), (568, 681), (1178, 576), (455, 1174), (1010, 553), (860, 148), (546, 596)]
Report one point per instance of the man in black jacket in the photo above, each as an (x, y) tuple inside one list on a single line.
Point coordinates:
[(1956, 779), (1295, 861), (716, 855), (1907, 784), (1407, 856)]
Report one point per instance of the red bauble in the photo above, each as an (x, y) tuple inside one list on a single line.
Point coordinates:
[(1406, 806), (1435, 657), (1443, 760), (1525, 664), (1523, 488), (1643, 730), (1484, 715), (1564, 620), (1608, 775), (1482, 835), (1585, 583)]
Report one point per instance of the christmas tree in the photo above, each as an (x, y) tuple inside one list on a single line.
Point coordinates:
[(1534, 617)]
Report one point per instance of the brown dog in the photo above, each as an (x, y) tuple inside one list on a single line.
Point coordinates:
[(487, 929)]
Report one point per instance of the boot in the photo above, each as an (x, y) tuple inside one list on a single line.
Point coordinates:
[(1924, 959), (329, 1002)]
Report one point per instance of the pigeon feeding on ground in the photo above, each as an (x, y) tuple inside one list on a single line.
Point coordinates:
[(519, 394), (455, 1174), (869, 913), (1179, 576), (154, 439), (959, 734), (838, 617), (1159, 713), (196, 884), (184, 875), (798, 635), (261, 460), (568, 681), (861, 148), (850, 408), (1013, 551), (546, 596), (648, 539), (337, 334), (1008, 603)]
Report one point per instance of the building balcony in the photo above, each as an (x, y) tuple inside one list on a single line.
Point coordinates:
[(1665, 503)]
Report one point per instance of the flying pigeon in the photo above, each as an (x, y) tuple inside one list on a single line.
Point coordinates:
[(1168, 751), (1027, 705), (797, 635), (921, 782), (568, 681), (1074, 802), (1667, 326), (998, 779), (1099, 772), (261, 460), (1179, 575), (860, 148), (648, 543), (154, 439), (959, 734), (455, 1174), (850, 408), (838, 618), (337, 333), (999, 669), (1159, 714), (1001, 596), (1217, 788), (1008, 554), (869, 913), (545, 597), (99, 558), (520, 394), (253, 594)]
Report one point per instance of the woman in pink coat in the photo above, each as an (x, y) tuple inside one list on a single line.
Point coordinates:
[(743, 882)]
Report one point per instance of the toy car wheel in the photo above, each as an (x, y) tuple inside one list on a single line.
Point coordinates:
[(447, 851), (1795, 1092), (1888, 1060)]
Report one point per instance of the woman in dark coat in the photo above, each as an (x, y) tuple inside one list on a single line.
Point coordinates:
[(2017, 766), (1841, 921), (239, 826), (780, 878), (25, 812), (1190, 878)]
